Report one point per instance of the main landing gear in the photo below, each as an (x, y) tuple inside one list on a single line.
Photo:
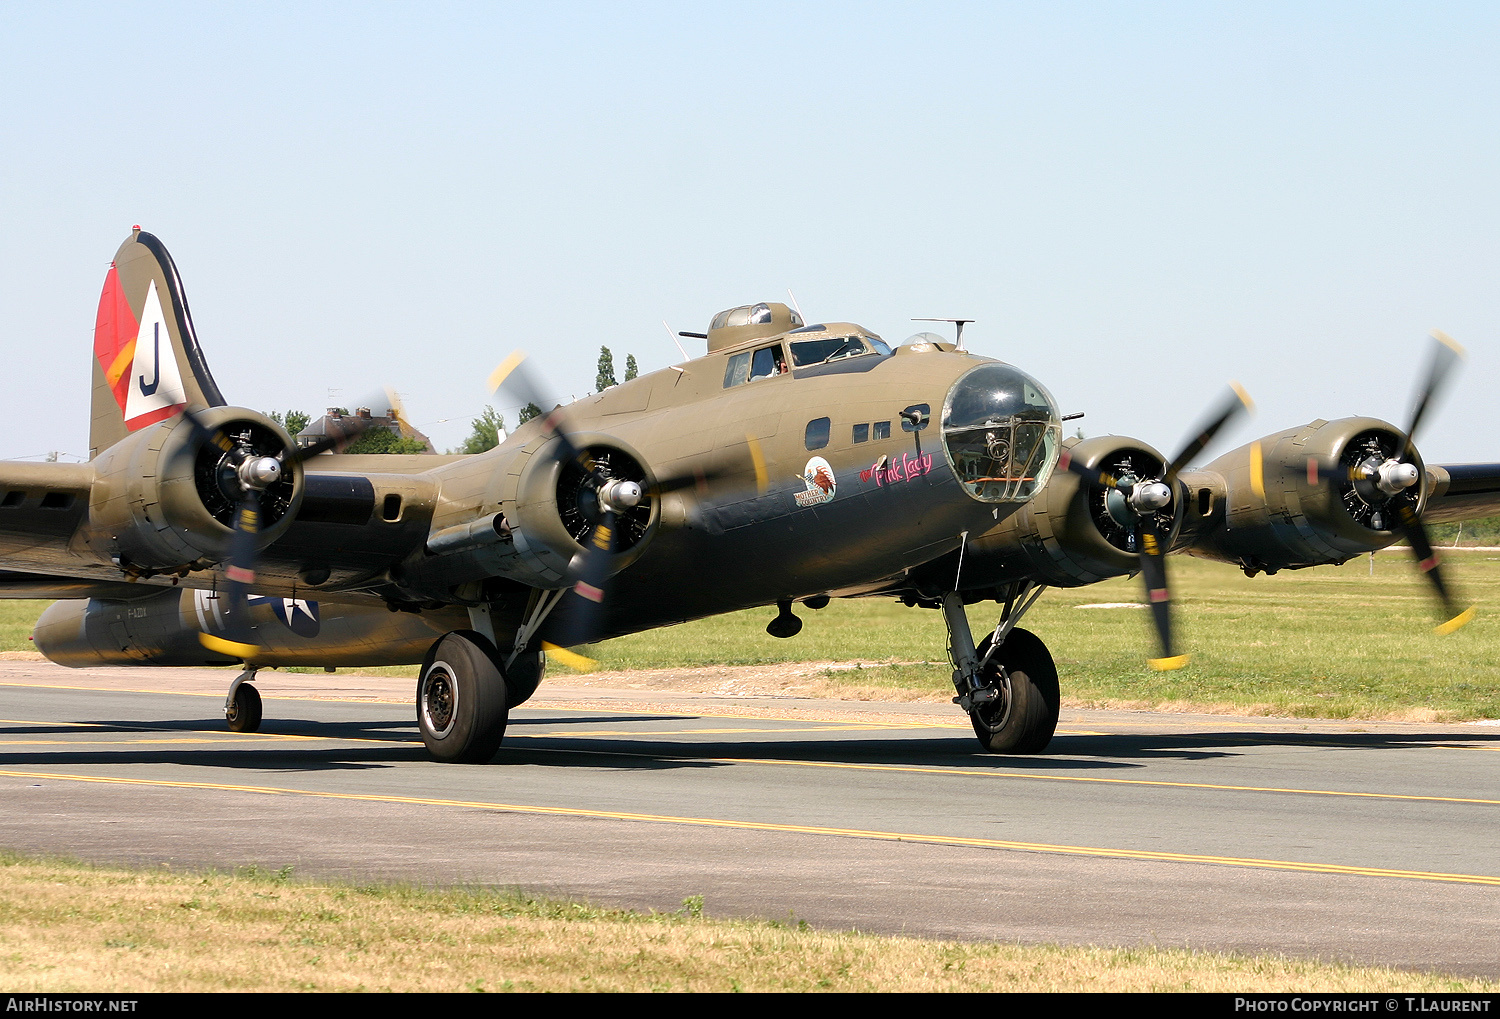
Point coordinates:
[(1008, 684), (462, 701)]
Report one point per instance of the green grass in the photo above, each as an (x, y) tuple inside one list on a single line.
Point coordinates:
[(71, 927), (17, 618), (1327, 642), (1481, 531)]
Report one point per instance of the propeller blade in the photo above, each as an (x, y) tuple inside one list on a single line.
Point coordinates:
[(1415, 532), (1153, 557), (240, 574), (349, 429), (1239, 401), (579, 623), (514, 377), (1446, 354), (1093, 475)]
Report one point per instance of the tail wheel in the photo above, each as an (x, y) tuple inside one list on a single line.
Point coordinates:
[(1022, 719), (244, 712), (461, 700)]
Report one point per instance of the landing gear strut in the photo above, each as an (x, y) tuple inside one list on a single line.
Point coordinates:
[(1008, 684), (242, 709)]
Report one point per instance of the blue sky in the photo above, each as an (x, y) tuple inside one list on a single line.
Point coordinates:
[(1136, 202)]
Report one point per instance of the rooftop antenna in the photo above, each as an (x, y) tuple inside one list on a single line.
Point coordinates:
[(960, 322), (795, 304), (675, 339)]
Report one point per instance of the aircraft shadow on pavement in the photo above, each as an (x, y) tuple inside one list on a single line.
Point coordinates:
[(645, 751), (595, 719)]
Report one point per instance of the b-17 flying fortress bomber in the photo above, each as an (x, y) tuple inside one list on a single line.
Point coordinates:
[(792, 462)]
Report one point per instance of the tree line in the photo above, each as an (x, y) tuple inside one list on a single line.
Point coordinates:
[(487, 430)]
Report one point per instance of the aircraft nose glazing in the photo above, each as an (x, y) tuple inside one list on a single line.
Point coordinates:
[(1002, 433)]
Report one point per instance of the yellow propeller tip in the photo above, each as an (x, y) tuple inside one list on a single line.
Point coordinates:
[(1171, 664), (1458, 622), (1243, 394), (500, 374), (232, 648), (1449, 342), (758, 458), (573, 660)]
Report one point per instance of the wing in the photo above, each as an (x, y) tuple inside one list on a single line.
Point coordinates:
[(1462, 492)]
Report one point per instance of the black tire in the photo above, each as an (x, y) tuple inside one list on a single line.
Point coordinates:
[(1024, 718), (461, 697), (523, 677), (244, 712)]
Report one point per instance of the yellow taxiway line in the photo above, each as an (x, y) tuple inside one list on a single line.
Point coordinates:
[(795, 829), (911, 769)]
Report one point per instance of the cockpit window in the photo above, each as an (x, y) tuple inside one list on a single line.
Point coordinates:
[(738, 370), (806, 353), (768, 362)]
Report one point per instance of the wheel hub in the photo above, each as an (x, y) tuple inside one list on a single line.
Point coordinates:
[(439, 697)]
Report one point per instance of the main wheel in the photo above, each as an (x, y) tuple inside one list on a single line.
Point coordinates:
[(1022, 719), (461, 700), (523, 677), (243, 713)]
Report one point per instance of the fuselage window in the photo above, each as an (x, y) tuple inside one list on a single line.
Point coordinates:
[(738, 370), (861, 433), (882, 429), (818, 431)]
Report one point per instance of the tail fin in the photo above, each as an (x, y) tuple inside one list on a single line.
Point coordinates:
[(147, 362)]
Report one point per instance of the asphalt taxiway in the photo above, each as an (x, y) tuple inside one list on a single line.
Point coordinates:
[(1361, 841)]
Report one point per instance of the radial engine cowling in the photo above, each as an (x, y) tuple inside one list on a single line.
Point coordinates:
[(543, 508), (1312, 511), (165, 498), (1072, 533)]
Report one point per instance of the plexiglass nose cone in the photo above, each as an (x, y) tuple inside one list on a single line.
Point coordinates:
[(1001, 433)]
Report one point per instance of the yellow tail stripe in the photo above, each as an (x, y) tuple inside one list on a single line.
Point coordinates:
[(121, 364)]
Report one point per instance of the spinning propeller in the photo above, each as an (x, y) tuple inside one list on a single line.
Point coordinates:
[(1380, 485), (1145, 501), (608, 497), (243, 474)]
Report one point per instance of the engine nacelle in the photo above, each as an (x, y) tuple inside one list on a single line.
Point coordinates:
[(1304, 516), (1072, 533), (535, 518), (164, 499)]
